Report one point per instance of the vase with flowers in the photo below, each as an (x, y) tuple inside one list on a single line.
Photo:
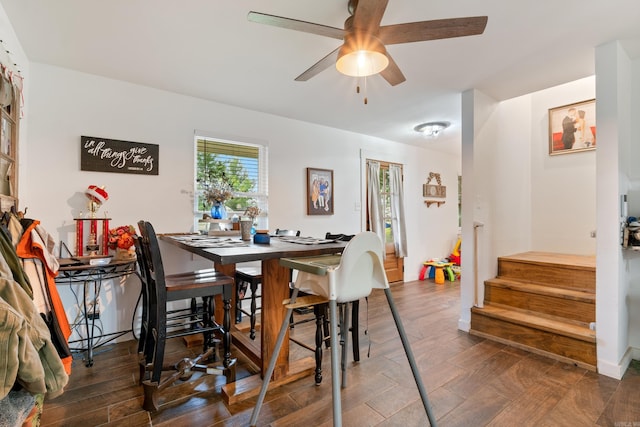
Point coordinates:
[(252, 212), (216, 194), (121, 240)]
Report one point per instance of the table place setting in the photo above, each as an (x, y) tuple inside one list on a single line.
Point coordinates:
[(201, 241), (301, 240)]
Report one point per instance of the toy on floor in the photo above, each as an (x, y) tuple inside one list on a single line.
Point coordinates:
[(455, 255), (439, 269)]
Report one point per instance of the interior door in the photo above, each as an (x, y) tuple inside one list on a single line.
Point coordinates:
[(393, 265)]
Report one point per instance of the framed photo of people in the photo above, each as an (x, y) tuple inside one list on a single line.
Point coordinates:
[(572, 128), (319, 191)]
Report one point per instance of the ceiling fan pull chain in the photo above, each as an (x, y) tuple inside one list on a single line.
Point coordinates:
[(365, 91)]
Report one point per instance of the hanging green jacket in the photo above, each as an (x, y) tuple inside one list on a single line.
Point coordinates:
[(8, 252)]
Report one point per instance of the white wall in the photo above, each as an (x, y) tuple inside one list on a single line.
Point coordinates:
[(563, 187), (64, 104)]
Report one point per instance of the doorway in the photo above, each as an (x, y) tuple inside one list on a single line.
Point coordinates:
[(393, 265)]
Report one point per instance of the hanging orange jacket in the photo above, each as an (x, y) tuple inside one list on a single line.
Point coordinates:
[(33, 244)]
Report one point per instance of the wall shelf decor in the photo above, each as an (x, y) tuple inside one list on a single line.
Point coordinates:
[(431, 190)]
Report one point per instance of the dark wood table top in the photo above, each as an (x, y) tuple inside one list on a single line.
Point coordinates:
[(276, 249)]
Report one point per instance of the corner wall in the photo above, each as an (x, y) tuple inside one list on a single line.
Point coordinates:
[(615, 267), (516, 197)]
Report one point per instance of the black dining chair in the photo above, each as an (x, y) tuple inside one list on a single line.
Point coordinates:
[(197, 289)]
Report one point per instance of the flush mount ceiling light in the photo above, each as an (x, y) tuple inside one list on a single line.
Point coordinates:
[(431, 128)]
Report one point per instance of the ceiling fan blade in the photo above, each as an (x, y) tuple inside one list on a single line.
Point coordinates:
[(368, 15), (294, 24), (392, 73), (432, 30), (319, 66)]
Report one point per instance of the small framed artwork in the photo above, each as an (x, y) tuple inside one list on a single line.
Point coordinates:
[(319, 191), (572, 128)]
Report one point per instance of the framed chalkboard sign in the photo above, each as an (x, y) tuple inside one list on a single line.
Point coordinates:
[(112, 155)]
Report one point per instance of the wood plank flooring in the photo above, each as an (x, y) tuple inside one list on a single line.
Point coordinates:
[(471, 381)]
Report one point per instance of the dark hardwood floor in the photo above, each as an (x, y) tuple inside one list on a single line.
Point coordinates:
[(471, 381)]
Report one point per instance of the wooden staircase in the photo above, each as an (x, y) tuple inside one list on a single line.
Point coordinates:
[(544, 303)]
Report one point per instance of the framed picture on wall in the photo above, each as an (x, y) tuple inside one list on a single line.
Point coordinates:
[(572, 128), (319, 191)]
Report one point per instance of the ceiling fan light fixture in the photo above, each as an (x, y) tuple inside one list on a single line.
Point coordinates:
[(432, 129), (361, 55)]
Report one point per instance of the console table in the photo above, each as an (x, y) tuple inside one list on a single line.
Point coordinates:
[(73, 271)]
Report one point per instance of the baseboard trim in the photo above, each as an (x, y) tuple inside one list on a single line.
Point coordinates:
[(464, 325), (617, 370)]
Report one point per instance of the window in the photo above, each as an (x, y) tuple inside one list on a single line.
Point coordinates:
[(243, 166)]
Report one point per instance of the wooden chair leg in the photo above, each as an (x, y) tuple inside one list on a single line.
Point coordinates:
[(318, 311), (355, 324), (254, 307), (325, 326), (241, 289), (344, 341), (228, 363), (144, 323), (142, 369)]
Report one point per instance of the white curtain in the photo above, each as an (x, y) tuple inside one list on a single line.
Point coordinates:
[(376, 219), (397, 210)]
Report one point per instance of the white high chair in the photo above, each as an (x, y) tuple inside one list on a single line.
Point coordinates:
[(337, 279)]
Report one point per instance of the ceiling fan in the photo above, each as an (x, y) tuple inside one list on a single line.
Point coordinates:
[(362, 33)]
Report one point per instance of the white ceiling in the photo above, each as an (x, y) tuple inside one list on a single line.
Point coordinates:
[(208, 49)]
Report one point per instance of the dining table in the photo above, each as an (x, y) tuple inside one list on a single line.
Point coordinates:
[(225, 253)]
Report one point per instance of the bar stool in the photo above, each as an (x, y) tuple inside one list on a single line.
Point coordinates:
[(336, 279), (159, 323), (248, 278)]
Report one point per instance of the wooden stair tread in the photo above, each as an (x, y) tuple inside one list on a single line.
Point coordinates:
[(581, 262), (547, 323), (541, 289)]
